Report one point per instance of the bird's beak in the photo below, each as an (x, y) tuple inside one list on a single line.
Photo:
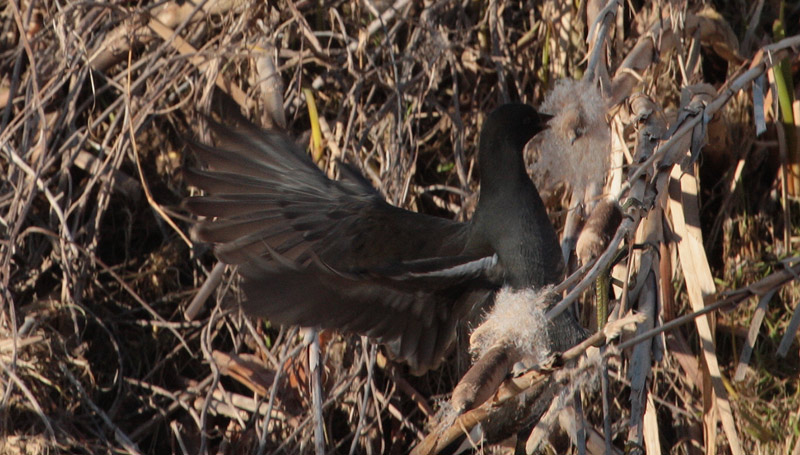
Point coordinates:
[(545, 117)]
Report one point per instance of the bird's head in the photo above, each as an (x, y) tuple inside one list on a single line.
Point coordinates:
[(504, 135)]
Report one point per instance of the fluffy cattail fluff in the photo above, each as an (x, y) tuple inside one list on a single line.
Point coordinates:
[(515, 330), (517, 320), (576, 148)]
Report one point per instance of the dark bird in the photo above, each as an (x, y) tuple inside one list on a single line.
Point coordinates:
[(334, 254)]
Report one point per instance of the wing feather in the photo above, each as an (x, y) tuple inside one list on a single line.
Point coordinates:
[(318, 252)]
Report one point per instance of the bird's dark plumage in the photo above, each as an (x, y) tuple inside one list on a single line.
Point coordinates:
[(318, 252)]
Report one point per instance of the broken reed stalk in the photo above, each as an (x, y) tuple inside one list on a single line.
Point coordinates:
[(763, 60), (101, 120), (514, 386), (517, 385)]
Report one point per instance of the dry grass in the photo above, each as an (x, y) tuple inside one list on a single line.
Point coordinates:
[(97, 272)]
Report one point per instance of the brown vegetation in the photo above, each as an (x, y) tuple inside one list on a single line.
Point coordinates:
[(118, 334)]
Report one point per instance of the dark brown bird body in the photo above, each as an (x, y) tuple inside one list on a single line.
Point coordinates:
[(333, 254)]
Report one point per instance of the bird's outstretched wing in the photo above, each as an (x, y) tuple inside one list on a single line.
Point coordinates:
[(264, 191), (318, 252), (418, 326)]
